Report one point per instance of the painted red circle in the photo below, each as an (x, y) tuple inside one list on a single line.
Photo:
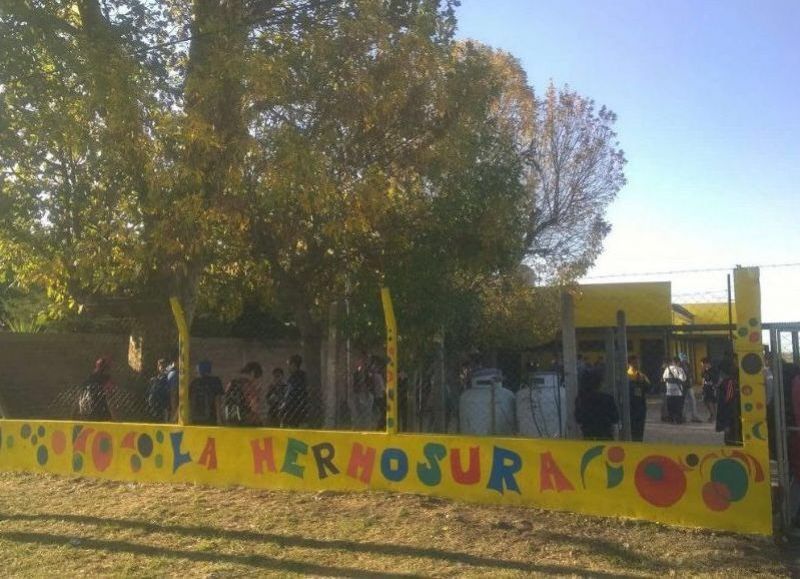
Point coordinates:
[(102, 451), (747, 390), (58, 442), (616, 454), (660, 481), (759, 405), (717, 496)]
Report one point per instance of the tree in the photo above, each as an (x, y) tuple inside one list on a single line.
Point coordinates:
[(576, 170), (125, 135), (383, 166), (285, 153)]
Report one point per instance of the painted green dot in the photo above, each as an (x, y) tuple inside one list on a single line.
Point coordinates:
[(34, 439), (753, 322), (9, 441), (748, 407), (159, 461), (733, 475), (159, 437), (25, 431), (654, 471), (105, 444), (40, 431), (136, 463), (77, 463)]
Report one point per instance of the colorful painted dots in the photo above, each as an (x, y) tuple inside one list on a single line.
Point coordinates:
[(59, 442), (145, 445)]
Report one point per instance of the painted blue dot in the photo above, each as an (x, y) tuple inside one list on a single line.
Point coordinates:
[(9, 441), (25, 431), (145, 445), (136, 463), (34, 439), (40, 431), (41, 455)]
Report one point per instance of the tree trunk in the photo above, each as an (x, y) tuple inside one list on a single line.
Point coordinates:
[(153, 336)]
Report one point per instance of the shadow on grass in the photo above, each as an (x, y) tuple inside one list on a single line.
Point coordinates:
[(609, 549), (257, 561), (297, 541)]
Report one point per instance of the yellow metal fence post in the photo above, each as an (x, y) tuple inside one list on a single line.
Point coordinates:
[(391, 366), (183, 360)]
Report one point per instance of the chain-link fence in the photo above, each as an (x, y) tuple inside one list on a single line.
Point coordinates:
[(442, 388)]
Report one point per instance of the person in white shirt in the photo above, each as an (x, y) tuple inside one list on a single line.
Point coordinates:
[(675, 381)]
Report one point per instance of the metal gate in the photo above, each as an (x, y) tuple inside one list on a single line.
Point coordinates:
[(784, 342)]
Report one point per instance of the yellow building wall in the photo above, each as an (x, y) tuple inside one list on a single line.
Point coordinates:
[(644, 304), (711, 312)]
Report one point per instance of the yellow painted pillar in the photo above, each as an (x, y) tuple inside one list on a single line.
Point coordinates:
[(750, 354), (391, 366), (183, 360)]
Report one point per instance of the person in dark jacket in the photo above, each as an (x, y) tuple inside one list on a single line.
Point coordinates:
[(595, 411), (205, 396), (294, 411), (95, 393), (639, 386), (729, 413)]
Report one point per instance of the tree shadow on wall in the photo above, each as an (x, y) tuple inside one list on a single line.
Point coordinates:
[(264, 562)]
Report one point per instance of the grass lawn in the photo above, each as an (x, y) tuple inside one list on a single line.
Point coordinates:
[(72, 527)]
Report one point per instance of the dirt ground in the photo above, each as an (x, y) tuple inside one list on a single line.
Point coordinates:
[(689, 432), (51, 525)]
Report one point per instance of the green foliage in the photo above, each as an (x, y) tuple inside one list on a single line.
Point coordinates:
[(279, 155)]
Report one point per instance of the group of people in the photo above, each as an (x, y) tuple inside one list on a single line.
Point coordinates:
[(598, 415), (246, 400)]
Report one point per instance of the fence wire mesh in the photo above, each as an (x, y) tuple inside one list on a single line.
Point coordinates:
[(446, 386)]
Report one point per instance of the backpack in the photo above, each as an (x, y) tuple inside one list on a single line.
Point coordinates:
[(157, 398), (234, 405), (201, 401), (92, 403)]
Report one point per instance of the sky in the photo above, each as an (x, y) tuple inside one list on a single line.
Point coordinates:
[(707, 95)]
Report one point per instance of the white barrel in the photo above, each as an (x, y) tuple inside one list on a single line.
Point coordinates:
[(542, 407), (475, 406)]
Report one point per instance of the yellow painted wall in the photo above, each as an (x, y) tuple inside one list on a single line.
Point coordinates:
[(694, 486), (645, 304), (711, 312)]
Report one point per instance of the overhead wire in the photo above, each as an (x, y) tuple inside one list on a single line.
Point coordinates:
[(688, 271)]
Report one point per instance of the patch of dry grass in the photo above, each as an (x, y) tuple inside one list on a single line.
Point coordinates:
[(52, 525)]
